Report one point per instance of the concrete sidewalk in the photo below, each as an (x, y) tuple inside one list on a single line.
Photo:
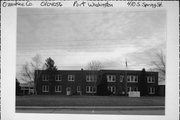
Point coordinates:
[(118, 110), (91, 107)]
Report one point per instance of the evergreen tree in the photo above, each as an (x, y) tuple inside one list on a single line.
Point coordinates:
[(50, 64), (102, 87), (142, 83)]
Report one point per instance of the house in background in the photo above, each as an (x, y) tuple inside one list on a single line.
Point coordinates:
[(84, 82), (27, 88)]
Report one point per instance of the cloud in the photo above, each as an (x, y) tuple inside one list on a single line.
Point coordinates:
[(74, 37)]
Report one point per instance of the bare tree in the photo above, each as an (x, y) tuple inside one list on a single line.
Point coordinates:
[(29, 68), (27, 73), (159, 64), (93, 67), (36, 62)]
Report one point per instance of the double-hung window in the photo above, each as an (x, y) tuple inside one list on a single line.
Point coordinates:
[(151, 90), (45, 77), (132, 89), (58, 77), (45, 88), (71, 77), (150, 79), (58, 88), (112, 89), (91, 78), (111, 78), (90, 89), (132, 78), (78, 88)]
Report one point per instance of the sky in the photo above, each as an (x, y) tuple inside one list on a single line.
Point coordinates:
[(74, 37)]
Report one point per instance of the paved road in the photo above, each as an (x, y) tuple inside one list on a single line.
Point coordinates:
[(120, 110)]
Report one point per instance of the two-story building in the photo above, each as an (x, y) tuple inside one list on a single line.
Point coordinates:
[(86, 82)]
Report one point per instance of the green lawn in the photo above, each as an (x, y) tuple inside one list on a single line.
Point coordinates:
[(55, 100)]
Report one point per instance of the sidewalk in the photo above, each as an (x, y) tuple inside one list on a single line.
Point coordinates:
[(91, 107), (117, 110)]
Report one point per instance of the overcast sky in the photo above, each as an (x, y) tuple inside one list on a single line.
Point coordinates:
[(73, 37)]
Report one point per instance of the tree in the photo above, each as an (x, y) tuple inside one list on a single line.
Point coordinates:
[(142, 83), (102, 87), (27, 73), (29, 68), (159, 64), (50, 64), (93, 67), (18, 87), (36, 62)]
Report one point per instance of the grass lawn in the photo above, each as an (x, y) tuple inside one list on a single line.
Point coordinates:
[(55, 100)]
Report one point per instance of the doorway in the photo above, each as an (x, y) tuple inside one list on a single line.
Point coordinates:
[(68, 91)]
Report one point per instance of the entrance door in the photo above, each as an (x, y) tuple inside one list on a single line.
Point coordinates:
[(68, 91)]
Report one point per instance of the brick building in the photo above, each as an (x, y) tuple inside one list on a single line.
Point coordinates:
[(84, 82)]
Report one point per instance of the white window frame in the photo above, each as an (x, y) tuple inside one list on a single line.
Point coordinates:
[(110, 88), (91, 78), (58, 88), (132, 78), (45, 77), (78, 88), (45, 88), (71, 77), (152, 90), (121, 78), (90, 89), (128, 78), (131, 89), (150, 79), (58, 77), (111, 78)]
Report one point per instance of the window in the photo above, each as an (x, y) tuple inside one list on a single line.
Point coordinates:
[(91, 78), (135, 78), (71, 77), (132, 78), (45, 77), (90, 89), (132, 89), (58, 88), (45, 88), (151, 90), (58, 77), (111, 78), (150, 79), (135, 88), (112, 89), (78, 88), (121, 78), (128, 78)]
